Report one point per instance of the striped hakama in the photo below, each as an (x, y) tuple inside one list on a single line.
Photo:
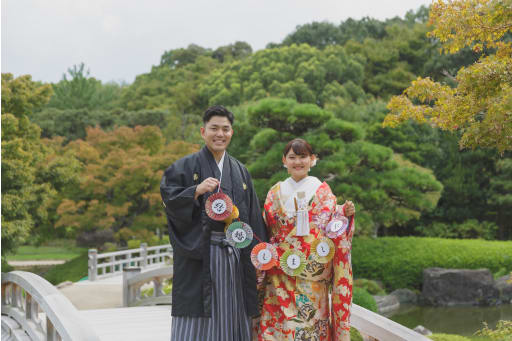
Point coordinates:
[(229, 320)]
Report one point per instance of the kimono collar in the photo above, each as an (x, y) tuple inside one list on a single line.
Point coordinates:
[(221, 170), (290, 187), (220, 164)]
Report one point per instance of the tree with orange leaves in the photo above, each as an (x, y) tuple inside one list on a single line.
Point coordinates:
[(480, 106)]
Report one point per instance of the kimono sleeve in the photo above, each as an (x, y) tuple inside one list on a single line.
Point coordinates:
[(255, 213), (342, 283), (182, 210)]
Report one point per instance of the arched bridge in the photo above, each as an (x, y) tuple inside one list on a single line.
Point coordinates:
[(33, 309)]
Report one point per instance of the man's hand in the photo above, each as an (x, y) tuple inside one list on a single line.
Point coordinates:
[(208, 185), (350, 210)]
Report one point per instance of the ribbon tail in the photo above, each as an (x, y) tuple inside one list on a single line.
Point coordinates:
[(302, 223)]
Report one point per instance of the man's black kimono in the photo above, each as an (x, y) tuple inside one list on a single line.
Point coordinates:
[(190, 229)]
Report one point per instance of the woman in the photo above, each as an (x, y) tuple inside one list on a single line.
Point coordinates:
[(298, 212)]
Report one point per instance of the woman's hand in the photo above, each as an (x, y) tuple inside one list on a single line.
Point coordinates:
[(349, 209)]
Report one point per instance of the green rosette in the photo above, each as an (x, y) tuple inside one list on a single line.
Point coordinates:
[(239, 234), (293, 262)]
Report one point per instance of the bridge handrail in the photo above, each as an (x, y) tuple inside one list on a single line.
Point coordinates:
[(136, 250), (42, 310), (133, 280), (365, 321), (381, 328), (102, 265)]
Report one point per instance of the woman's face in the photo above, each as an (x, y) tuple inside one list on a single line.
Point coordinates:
[(298, 165)]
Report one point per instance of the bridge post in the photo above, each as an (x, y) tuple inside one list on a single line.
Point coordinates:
[(144, 254), (92, 264), (50, 331), (28, 306), (128, 272), (4, 292)]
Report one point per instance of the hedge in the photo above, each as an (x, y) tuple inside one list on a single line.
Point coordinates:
[(399, 261), (364, 299)]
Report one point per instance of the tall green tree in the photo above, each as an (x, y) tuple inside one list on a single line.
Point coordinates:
[(387, 189), (302, 73), (77, 90), (27, 190)]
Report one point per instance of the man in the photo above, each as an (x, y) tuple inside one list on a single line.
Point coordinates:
[(214, 292)]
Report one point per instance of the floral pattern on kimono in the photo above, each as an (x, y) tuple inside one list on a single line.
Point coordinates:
[(298, 307)]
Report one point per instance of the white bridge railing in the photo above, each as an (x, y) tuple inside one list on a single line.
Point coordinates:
[(146, 288), (102, 265), (368, 323), (33, 309)]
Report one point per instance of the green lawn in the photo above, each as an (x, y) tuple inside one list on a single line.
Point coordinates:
[(73, 270), (28, 252)]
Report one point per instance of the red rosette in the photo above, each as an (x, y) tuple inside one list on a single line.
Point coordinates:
[(264, 256), (218, 206)]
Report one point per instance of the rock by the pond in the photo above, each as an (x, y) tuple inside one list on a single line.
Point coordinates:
[(386, 303), (504, 286), (448, 287), (422, 330), (405, 296)]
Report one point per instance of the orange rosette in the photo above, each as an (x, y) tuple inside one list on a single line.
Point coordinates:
[(264, 256)]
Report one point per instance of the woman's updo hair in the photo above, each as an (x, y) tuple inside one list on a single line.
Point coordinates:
[(299, 147)]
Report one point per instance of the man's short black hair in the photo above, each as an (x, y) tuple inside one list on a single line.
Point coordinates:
[(218, 110)]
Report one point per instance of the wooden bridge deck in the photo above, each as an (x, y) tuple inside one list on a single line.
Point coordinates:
[(131, 324)]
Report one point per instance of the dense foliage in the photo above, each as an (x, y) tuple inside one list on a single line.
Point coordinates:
[(121, 177), (387, 189), (363, 298), (406, 258), (32, 175), (480, 104), (82, 157)]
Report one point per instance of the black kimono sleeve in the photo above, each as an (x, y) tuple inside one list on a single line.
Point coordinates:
[(255, 213), (183, 211)]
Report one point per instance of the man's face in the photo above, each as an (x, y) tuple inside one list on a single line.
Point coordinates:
[(217, 133)]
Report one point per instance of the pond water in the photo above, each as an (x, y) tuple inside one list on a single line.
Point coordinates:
[(451, 320)]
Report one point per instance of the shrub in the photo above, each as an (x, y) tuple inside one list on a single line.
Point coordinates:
[(165, 240), (399, 261), (5, 266), (503, 331), (470, 228), (109, 247), (364, 299), (125, 235), (354, 335), (371, 286), (134, 243)]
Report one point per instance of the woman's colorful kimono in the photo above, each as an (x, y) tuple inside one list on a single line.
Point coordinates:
[(298, 307)]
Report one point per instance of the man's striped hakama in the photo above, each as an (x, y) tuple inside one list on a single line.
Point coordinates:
[(229, 320)]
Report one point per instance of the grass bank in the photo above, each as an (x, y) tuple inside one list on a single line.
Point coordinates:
[(73, 270), (29, 252)]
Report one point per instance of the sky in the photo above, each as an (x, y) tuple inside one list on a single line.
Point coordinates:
[(120, 39)]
